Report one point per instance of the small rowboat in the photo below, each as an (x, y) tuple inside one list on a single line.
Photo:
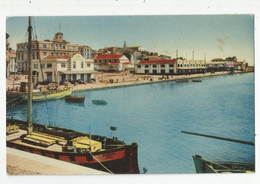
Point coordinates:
[(196, 80), (99, 102), (203, 165), (75, 98)]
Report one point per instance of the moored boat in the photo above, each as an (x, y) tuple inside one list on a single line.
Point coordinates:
[(97, 152), (196, 80), (203, 165), (49, 95), (75, 98), (99, 102)]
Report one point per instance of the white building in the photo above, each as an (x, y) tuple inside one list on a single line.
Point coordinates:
[(61, 68), (156, 67), (185, 66)]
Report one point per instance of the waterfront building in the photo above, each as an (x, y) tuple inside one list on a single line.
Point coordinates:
[(12, 62), (111, 62), (55, 47), (216, 66), (240, 66), (185, 66), (61, 68), (229, 62), (156, 67)]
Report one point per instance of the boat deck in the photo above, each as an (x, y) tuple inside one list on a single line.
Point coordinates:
[(36, 138)]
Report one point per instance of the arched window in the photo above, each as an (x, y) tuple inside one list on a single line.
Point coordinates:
[(171, 65), (74, 64), (154, 66), (185, 65), (138, 66), (82, 64), (162, 65), (146, 66)]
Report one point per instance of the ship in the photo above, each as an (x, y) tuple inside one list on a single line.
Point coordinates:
[(98, 152)]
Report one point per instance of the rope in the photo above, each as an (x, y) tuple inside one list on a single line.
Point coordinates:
[(12, 100), (101, 164)]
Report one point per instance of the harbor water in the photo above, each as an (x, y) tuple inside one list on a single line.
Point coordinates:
[(153, 116)]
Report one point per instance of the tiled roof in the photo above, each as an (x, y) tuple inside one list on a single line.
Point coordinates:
[(58, 57), (158, 61), (111, 56)]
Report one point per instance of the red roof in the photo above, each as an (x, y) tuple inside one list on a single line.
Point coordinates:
[(111, 56), (58, 57), (158, 61)]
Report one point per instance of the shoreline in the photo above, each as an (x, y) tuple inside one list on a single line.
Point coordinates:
[(102, 86), (124, 79)]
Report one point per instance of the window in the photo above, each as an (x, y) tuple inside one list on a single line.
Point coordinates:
[(44, 46), (63, 65), (171, 65), (74, 64), (82, 65), (56, 46), (154, 66), (44, 53), (33, 56), (42, 65), (162, 65), (51, 53), (49, 65), (64, 47), (138, 66), (88, 64), (35, 66), (146, 66), (33, 46)]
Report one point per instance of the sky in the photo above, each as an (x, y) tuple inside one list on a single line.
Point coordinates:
[(212, 36)]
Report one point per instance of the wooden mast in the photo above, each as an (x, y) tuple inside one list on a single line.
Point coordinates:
[(30, 85)]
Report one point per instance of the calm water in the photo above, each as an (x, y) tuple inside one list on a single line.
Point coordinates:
[(153, 115)]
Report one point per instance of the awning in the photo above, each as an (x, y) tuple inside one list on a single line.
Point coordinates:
[(77, 72)]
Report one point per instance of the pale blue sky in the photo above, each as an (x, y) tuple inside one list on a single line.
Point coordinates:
[(215, 35)]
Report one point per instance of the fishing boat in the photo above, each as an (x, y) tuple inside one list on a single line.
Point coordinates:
[(99, 102), (49, 95), (203, 165), (94, 151), (75, 98)]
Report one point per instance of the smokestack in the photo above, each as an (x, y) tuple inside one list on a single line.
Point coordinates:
[(192, 55), (176, 53)]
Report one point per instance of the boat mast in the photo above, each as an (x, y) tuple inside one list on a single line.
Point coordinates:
[(29, 105)]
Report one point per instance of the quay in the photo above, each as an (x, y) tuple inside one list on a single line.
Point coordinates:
[(126, 79), (24, 163)]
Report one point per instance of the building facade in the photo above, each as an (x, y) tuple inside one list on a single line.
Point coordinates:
[(156, 67), (59, 69), (114, 62), (41, 49), (185, 66)]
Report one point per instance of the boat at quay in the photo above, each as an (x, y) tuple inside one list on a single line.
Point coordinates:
[(94, 151), (76, 99)]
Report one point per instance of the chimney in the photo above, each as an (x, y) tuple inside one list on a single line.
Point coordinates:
[(176, 53), (192, 55)]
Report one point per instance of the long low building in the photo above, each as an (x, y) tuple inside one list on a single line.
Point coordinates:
[(156, 67)]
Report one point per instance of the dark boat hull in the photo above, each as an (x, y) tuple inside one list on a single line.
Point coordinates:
[(75, 99), (122, 160)]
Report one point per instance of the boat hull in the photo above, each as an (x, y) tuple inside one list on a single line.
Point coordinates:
[(75, 99), (118, 160), (203, 165), (50, 96)]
